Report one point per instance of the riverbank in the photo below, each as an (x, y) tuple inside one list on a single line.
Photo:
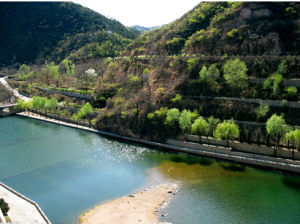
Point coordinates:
[(240, 157), (138, 208)]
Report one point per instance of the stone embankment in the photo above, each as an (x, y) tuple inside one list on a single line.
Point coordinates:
[(218, 152)]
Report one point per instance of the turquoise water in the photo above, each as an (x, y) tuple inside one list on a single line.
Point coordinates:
[(67, 171)]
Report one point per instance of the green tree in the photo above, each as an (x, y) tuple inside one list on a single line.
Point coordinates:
[(51, 71), (213, 72), (172, 117), (38, 102), (203, 74), (83, 112), (227, 130), (212, 124), (51, 104), (276, 128), (68, 68), (185, 121), (262, 111), (294, 138), (235, 74), (200, 127), (24, 69)]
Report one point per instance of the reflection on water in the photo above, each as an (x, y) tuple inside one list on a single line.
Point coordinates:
[(68, 171)]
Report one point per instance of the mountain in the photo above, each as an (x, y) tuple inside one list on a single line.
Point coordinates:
[(32, 32), (232, 28), (161, 69), (142, 29)]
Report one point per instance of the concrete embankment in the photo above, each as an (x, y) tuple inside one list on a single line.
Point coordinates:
[(22, 210), (192, 148)]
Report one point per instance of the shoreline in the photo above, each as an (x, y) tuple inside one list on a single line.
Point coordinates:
[(139, 208), (262, 161)]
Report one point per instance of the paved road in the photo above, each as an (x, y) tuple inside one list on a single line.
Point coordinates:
[(15, 92)]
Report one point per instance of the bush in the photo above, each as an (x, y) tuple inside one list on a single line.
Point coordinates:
[(294, 137), (4, 207), (232, 33), (227, 130), (262, 111), (274, 83), (291, 92), (146, 71), (83, 112), (235, 74), (177, 98), (203, 74)]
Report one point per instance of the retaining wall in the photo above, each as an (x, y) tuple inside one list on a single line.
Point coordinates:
[(245, 147), (69, 94), (197, 149), (285, 82), (271, 103)]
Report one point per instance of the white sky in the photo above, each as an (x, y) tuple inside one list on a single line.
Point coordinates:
[(141, 12)]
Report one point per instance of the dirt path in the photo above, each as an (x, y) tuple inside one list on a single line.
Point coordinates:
[(15, 92)]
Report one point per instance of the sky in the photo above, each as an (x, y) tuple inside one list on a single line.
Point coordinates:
[(146, 13)]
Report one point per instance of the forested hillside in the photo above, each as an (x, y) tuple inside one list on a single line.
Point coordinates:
[(32, 32), (231, 28)]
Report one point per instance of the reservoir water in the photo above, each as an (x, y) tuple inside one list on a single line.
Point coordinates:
[(67, 171)]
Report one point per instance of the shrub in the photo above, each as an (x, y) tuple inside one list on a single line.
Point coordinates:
[(227, 130), (146, 71), (213, 72), (291, 92), (284, 103), (232, 33), (203, 74), (294, 137), (235, 73), (212, 124), (51, 104), (177, 98), (282, 67), (274, 83), (4, 207), (191, 62), (83, 112), (262, 111), (150, 116), (161, 113)]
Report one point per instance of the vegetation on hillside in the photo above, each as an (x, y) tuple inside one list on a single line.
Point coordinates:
[(33, 32), (227, 28)]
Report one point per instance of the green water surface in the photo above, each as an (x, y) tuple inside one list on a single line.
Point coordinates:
[(67, 171)]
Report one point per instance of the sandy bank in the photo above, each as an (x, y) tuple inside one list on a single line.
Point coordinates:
[(139, 208)]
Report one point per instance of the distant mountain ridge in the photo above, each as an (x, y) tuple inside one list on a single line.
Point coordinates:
[(143, 29), (30, 31)]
